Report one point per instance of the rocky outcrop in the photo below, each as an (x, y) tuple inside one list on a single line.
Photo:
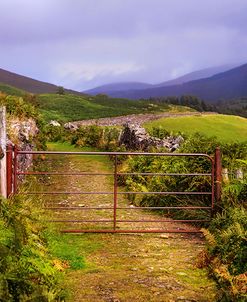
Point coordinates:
[(134, 137), (54, 123), (22, 133), (72, 126)]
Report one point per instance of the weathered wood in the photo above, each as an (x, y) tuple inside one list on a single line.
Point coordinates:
[(3, 140)]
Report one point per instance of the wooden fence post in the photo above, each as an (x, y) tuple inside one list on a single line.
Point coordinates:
[(3, 139), (218, 174)]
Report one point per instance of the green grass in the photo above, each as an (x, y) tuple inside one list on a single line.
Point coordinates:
[(71, 107), (67, 147), (11, 90), (227, 128), (71, 248)]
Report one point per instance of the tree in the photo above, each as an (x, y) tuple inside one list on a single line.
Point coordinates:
[(60, 90)]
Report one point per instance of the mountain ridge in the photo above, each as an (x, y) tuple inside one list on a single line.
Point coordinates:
[(194, 75), (222, 86), (29, 84)]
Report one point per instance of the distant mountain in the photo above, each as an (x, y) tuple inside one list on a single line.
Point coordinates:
[(198, 74), (28, 84), (111, 88), (121, 86), (222, 86)]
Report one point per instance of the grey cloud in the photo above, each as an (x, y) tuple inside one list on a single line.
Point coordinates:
[(30, 21), (78, 43)]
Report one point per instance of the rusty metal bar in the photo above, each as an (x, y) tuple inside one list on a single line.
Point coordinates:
[(218, 175), (112, 193), (117, 153), (122, 221), (212, 188), (115, 193), (15, 180), (112, 174), (131, 231), (62, 173), (167, 174), (9, 170), (130, 208)]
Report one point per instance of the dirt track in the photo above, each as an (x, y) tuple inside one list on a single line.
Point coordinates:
[(134, 267)]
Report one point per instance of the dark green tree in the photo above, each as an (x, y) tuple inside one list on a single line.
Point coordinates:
[(60, 90)]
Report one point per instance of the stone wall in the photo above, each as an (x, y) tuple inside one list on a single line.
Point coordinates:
[(135, 137)]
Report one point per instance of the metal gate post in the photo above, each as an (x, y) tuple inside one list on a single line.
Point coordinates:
[(115, 194), (15, 170), (9, 171), (218, 174)]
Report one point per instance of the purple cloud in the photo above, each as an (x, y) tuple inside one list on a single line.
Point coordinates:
[(83, 43)]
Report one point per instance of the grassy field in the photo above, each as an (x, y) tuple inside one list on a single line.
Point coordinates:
[(227, 128), (70, 107)]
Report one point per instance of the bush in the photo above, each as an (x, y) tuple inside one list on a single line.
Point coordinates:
[(159, 132), (56, 133), (105, 138), (27, 272), (16, 106), (227, 253)]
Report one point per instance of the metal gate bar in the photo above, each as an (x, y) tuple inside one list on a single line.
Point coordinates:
[(13, 188)]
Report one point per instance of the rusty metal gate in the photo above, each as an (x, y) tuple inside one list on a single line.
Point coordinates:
[(15, 175)]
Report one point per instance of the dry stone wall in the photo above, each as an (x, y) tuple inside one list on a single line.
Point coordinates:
[(135, 137)]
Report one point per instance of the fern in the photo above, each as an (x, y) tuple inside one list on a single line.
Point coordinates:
[(211, 240), (26, 268)]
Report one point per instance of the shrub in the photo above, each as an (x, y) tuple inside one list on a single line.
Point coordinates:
[(227, 253), (105, 138), (27, 272), (16, 106), (56, 133)]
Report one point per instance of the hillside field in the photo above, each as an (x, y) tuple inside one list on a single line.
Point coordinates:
[(227, 128), (69, 107), (7, 89)]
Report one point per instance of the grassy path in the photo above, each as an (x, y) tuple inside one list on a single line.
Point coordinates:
[(122, 267)]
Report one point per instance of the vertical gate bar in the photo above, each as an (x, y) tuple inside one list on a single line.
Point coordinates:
[(9, 171), (218, 174), (115, 194), (212, 186), (15, 170)]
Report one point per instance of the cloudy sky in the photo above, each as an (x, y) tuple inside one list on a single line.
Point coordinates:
[(80, 44)]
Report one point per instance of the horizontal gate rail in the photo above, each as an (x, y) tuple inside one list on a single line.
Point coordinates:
[(17, 173), (95, 174), (117, 153), (146, 220), (130, 208), (111, 193)]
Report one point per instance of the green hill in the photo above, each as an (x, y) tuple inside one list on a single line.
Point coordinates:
[(10, 90), (71, 107), (227, 128)]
